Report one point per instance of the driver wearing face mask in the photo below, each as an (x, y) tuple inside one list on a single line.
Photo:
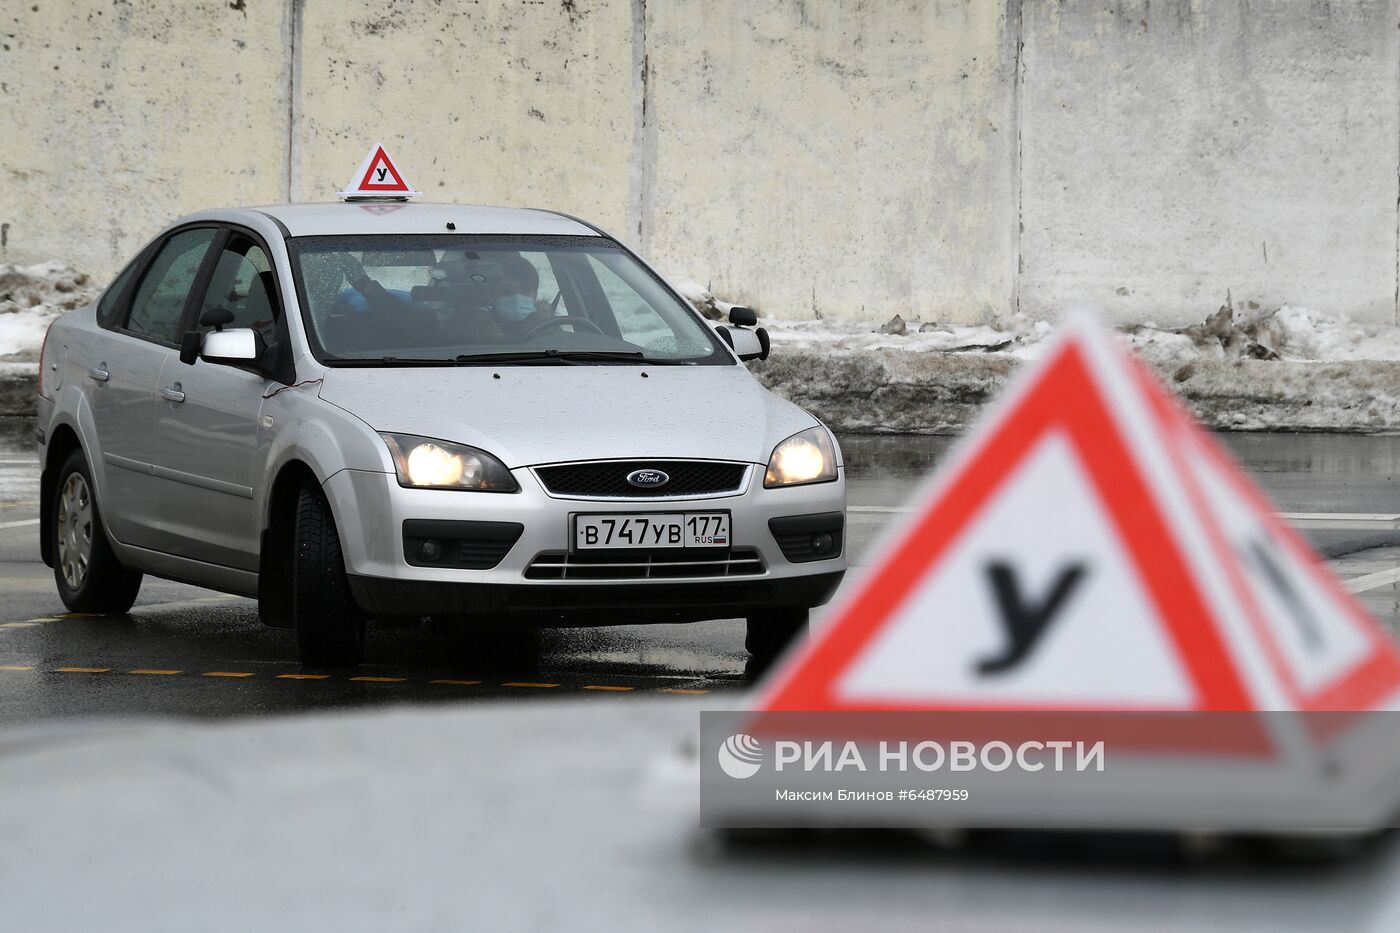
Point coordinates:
[(516, 293)]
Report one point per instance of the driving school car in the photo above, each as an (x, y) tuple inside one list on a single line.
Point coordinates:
[(375, 409)]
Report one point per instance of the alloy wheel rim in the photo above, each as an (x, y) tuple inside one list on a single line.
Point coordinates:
[(74, 532)]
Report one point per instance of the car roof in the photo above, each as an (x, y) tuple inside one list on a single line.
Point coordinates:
[(398, 217)]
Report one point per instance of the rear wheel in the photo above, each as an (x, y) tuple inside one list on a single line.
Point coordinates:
[(770, 632), (88, 574), (330, 627)]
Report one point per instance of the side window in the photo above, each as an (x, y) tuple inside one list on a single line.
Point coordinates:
[(243, 285), (110, 301), (160, 300), (637, 320)]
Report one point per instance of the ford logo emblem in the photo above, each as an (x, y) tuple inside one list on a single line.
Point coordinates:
[(647, 478)]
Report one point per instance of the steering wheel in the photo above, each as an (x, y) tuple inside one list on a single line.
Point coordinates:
[(557, 322)]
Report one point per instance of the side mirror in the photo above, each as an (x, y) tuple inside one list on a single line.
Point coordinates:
[(189, 347), (746, 344), (743, 317), (240, 345)]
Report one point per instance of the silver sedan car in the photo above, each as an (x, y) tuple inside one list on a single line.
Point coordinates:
[(368, 411)]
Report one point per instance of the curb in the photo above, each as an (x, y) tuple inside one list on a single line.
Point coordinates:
[(904, 392), (19, 385)]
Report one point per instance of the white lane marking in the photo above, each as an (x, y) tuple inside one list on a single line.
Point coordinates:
[(1372, 581), (33, 463), (19, 524), (1354, 521)]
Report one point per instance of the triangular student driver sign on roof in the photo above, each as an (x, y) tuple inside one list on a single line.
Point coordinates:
[(1091, 548), (377, 177)]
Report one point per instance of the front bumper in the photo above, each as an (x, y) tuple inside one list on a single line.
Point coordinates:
[(592, 604), (371, 510)]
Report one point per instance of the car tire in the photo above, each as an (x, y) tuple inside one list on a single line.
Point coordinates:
[(88, 574), (330, 627), (770, 632)]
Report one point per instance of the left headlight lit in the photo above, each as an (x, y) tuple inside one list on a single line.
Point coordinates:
[(808, 457), (426, 463)]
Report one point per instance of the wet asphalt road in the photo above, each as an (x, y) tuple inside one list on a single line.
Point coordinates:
[(190, 652)]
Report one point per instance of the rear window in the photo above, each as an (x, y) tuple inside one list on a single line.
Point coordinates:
[(109, 305)]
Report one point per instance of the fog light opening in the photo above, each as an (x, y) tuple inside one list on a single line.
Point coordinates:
[(430, 550), (821, 542)]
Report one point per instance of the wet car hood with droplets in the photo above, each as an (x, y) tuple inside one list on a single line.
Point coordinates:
[(547, 414)]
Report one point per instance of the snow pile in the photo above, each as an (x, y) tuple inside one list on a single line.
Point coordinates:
[(31, 297), (1289, 369), (701, 298), (1300, 334), (1290, 334), (1014, 336)]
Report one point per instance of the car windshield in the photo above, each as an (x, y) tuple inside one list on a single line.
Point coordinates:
[(460, 299)]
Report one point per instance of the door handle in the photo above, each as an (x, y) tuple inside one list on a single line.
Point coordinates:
[(99, 373), (172, 393)]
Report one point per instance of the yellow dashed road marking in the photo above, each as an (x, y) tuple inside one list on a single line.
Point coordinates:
[(360, 678), (20, 624)]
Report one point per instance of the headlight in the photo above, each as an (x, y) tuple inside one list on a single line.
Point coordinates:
[(425, 463), (808, 457)]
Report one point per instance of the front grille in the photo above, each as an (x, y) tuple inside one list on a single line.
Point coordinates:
[(607, 479), (635, 565)]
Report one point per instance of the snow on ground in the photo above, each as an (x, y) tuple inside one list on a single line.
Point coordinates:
[(1285, 369), (1290, 334), (31, 297)]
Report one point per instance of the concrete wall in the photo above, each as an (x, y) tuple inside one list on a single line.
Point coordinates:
[(523, 104), (949, 159), (835, 158), (1173, 153), (117, 117)]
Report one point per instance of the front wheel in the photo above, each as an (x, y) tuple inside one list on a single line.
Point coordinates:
[(330, 627), (770, 632), (88, 574)]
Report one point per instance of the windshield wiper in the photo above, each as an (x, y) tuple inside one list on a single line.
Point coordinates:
[(563, 356), (387, 361), (551, 356)]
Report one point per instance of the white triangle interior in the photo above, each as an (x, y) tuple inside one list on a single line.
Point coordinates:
[(1106, 645)]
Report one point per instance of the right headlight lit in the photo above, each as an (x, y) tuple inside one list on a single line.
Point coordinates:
[(426, 463), (808, 457)]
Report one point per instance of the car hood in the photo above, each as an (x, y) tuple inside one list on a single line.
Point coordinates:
[(528, 415)]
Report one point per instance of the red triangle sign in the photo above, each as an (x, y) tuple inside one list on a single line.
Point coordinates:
[(1089, 548), (377, 177), (1325, 652)]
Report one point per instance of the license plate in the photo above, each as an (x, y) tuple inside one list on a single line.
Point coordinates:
[(652, 531)]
